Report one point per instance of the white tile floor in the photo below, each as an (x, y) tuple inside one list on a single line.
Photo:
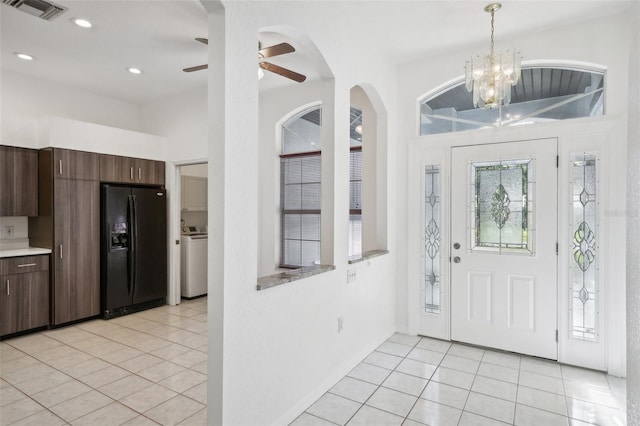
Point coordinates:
[(420, 381), (150, 368), (147, 368)]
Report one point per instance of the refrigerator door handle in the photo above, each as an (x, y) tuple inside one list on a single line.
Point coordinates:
[(130, 257), (135, 244)]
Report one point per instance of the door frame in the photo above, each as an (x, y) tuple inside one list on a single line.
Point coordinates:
[(173, 184), (601, 135)]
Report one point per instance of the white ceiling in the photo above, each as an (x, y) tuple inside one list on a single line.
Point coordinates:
[(158, 37)]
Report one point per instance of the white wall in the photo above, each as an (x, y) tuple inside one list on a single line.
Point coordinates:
[(20, 232), (26, 101), (37, 113), (282, 348), (633, 229), (604, 41), (79, 135), (182, 119)]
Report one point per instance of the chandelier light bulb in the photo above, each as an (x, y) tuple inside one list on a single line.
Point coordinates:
[(490, 77)]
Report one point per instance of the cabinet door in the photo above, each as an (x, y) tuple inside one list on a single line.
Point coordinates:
[(13, 297), (114, 168), (24, 302), (18, 181), (194, 193), (70, 164), (76, 287), (149, 172)]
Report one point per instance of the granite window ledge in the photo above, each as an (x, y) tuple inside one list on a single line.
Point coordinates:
[(368, 255), (292, 275)]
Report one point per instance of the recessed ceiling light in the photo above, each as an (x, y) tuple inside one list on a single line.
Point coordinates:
[(81, 22), (24, 56), (134, 70)]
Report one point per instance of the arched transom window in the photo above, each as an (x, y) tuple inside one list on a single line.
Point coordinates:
[(542, 94)]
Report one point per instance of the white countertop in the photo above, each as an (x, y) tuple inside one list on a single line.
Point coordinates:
[(31, 251)]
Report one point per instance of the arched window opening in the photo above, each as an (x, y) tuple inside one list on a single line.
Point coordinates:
[(355, 183), (300, 189), (542, 94)]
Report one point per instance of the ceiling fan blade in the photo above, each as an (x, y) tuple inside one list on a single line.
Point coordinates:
[(196, 68), (278, 49), (203, 40), (283, 72)]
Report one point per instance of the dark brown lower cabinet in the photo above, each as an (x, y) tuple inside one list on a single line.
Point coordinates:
[(24, 299), (76, 250)]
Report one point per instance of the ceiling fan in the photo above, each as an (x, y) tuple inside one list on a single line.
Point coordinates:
[(267, 52)]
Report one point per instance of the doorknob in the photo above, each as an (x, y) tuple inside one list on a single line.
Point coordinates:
[(456, 246), (456, 259)]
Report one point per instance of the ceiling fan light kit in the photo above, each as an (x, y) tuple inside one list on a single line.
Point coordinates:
[(267, 52), (491, 77)]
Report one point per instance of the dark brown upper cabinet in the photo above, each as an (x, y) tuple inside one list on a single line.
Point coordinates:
[(114, 168), (18, 181), (149, 171), (70, 164)]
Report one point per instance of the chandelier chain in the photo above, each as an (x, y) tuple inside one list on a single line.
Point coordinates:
[(492, 28)]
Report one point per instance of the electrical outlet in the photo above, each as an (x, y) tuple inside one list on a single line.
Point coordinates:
[(339, 324), (352, 275), (8, 231)]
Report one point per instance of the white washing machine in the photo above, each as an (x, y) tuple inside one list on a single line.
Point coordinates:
[(193, 265)]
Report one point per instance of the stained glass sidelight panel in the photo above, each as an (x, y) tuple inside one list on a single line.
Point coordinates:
[(502, 206), (584, 248), (432, 224)]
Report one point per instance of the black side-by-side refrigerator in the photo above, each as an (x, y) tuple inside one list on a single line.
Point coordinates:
[(133, 263)]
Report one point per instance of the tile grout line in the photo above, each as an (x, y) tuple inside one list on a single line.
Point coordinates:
[(387, 376), (515, 406), (94, 357), (462, 411), (426, 384)]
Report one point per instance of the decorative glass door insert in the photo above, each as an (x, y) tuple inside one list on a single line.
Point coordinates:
[(502, 206), (431, 289), (584, 267)]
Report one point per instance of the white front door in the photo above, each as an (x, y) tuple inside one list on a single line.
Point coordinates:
[(503, 246)]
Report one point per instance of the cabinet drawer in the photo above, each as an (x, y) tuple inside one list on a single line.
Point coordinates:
[(24, 264)]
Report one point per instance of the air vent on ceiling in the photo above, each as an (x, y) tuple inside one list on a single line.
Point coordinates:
[(40, 8)]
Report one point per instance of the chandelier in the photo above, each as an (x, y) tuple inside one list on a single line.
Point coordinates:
[(490, 77)]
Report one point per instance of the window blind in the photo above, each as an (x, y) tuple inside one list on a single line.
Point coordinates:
[(301, 212)]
